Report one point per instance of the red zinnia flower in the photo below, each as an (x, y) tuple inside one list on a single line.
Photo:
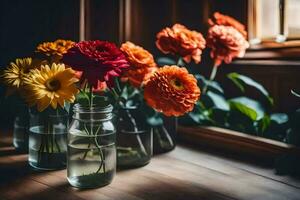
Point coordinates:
[(98, 60)]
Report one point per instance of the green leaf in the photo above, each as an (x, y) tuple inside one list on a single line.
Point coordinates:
[(295, 93), (180, 62), (247, 106), (279, 118), (241, 81), (199, 116), (67, 106), (82, 98), (218, 101), (244, 109), (155, 120), (237, 120), (161, 61), (263, 124), (213, 85), (233, 77), (219, 117)]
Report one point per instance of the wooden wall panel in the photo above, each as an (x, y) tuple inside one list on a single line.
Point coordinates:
[(24, 24), (147, 19), (103, 20)]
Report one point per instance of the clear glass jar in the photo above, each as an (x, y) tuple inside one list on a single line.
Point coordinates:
[(21, 127), (91, 146), (134, 139), (48, 139), (164, 136)]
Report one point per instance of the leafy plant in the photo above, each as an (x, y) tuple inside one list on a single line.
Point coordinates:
[(241, 81), (240, 113)]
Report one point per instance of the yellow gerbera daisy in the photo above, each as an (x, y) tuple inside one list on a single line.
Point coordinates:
[(55, 49), (50, 86), (14, 74)]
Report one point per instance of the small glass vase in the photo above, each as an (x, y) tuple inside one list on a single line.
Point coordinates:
[(134, 139), (21, 127), (164, 136), (91, 146), (48, 139)]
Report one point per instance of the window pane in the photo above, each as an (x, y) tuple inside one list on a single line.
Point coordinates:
[(293, 16), (268, 18)]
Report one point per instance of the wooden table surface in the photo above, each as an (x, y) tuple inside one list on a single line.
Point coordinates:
[(184, 173)]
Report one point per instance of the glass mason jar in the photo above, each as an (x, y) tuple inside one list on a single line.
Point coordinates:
[(164, 136), (21, 126), (48, 139), (134, 138), (91, 156)]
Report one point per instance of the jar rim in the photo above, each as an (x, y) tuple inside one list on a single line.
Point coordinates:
[(91, 109)]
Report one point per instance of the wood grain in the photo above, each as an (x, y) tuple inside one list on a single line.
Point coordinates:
[(237, 142), (183, 174)]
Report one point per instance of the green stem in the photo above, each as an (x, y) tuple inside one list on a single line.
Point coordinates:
[(167, 135), (91, 96), (116, 95), (89, 145), (41, 150), (86, 96), (211, 78), (118, 86), (54, 138), (179, 61), (101, 156)]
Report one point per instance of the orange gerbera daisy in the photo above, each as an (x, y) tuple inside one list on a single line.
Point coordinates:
[(141, 61), (172, 91), (225, 20)]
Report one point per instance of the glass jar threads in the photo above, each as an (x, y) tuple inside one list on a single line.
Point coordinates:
[(48, 139), (91, 146), (134, 138), (21, 126)]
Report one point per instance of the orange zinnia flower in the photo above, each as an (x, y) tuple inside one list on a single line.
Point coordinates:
[(55, 50), (226, 43), (181, 41), (225, 20), (172, 91), (142, 64)]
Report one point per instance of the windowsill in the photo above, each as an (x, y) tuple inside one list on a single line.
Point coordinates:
[(275, 45), (289, 50), (236, 142), (267, 62)]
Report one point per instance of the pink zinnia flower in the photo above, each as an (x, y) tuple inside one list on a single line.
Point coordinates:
[(226, 43)]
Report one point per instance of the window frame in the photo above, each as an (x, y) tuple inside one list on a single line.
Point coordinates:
[(253, 29)]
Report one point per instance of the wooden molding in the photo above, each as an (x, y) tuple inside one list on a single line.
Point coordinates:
[(236, 141)]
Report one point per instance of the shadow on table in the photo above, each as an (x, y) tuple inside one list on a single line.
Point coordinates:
[(9, 151), (12, 170)]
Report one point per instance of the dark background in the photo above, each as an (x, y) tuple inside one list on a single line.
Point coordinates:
[(26, 23)]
